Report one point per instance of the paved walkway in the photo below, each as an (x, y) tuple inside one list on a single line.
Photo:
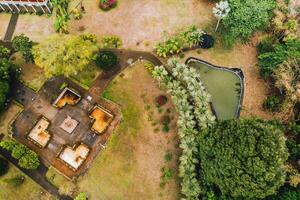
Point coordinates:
[(11, 27)]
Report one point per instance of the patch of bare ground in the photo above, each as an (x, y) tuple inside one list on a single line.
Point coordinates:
[(242, 56), (141, 23), (130, 166)]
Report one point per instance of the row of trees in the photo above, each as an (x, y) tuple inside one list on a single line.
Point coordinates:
[(191, 118), (27, 158)]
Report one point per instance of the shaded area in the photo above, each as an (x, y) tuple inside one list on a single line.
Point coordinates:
[(224, 85), (11, 27)]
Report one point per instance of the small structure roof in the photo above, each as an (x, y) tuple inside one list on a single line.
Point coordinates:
[(101, 119), (69, 124), (74, 157), (39, 134)]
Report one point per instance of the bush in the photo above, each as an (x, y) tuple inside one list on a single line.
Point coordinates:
[(294, 149), (111, 42), (81, 196), (23, 45), (107, 4), (161, 100), (272, 103), (15, 181), (244, 158), (106, 60), (267, 45), (208, 41), (3, 166), (269, 61)]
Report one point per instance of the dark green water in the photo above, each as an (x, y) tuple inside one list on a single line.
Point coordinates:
[(224, 88)]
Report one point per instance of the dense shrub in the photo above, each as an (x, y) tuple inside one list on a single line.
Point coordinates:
[(246, 17), (267, 45), (107, 4), (15, 181), (207, 41), (3, 166), (27, 158), (23, 45), (272, 103), (269, 61), (106, 60), (111, 42), (286, 193), (190, 37), (244, 158)]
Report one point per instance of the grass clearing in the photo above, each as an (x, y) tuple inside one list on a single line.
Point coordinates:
[(29, 190), (31, 75), (130, 166)]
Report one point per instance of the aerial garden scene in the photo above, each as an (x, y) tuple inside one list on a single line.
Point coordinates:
[(149, 100)]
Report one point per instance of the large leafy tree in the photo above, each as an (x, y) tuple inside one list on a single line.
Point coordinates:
[(247, 16), (7, 74), (244, 158), (64, 54)]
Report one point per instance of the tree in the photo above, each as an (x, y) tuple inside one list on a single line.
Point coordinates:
[(244, 158), (81, 196), (106, 60), (27, 159), (64, 54), (220, 11), (23, 45), (247, 16), (287, 79), (3, 166)]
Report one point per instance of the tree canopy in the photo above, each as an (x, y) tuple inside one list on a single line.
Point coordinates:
[(7, 74), (244, 158), (23, 44), (247, 16), (64, 54)]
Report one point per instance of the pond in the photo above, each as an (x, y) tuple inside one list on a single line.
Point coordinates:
[(225, 86)]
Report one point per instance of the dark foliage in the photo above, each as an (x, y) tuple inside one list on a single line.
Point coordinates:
[(161, 100), (272, 103), (208, 41), (106, 60), (3, 166), (23, 44)]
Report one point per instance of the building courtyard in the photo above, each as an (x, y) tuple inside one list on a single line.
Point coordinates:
[(64, 125)]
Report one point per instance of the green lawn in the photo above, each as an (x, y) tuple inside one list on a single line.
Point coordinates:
[(7, 116), (87, 76), (29, 190)]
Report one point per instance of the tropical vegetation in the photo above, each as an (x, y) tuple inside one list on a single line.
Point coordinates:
[(106, 60), (244, 158), (64, 54), (27, 158), (191, 118), (23, 44)]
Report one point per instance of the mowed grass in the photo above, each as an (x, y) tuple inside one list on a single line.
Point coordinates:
[(129, 167), (29, 190), (111, 174)]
